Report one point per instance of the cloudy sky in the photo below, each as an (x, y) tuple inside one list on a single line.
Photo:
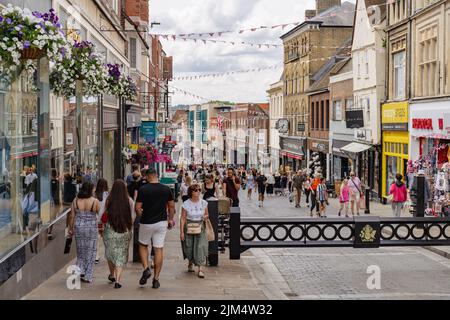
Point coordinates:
[(202, 16)]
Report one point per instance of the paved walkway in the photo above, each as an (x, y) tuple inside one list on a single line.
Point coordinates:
[(256, 276), (230, 280)]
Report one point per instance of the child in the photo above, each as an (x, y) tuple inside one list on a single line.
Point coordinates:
[(344, 197), (322, 197)]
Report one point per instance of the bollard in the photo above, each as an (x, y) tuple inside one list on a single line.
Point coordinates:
[(420, 206), (367, 211), (235, 233), (213, 211)]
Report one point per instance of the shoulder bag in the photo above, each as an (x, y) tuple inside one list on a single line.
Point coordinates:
[(209, 231), (194, 228)]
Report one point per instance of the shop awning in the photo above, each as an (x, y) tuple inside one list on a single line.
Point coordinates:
[(355, 147)]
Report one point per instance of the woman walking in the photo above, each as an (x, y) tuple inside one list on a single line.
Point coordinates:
[(355, 191), (210, 189), (399, 195), (101, 193), (344, 197), (322, 198), (193, 237), (270, 184), (185, 187), (118, 218), (250, 185), (307, 189), (83, 224)]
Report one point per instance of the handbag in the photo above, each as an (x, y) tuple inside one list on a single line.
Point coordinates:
[(194, 228), (209, 231)]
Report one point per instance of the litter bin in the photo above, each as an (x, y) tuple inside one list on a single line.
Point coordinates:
[(213, 210)]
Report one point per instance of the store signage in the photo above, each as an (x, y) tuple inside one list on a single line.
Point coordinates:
[(447, 122), (424, 124), (291, 145), (301, 127), (261, 138), (394, 116), (354, 119), (163, 125), (69, 139), (149, 131)]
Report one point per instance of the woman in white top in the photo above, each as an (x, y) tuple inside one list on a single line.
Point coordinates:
[(270, 184), (184, 188), (193, 230)]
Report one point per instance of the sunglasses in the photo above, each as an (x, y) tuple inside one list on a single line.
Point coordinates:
[(195, 190)]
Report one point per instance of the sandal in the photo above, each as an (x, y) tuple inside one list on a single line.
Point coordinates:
[(191, 268), (201, 274)]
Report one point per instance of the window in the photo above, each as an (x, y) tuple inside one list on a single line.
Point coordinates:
[(133, 50), (358, 58), (337, 110), (427, 57), (399, 74), (349, 104), (322, 115), (115, 5), (367, 62)]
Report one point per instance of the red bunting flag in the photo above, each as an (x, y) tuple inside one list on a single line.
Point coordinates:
[(240, 31), (166, 37), (220, 34), (204, 41), (253, 29), (211, 34), (174, 37)]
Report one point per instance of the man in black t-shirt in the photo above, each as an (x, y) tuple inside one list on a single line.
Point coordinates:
[(153, 202), (261, 180)]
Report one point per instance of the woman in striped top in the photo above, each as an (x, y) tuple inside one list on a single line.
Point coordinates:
[(322, 198)]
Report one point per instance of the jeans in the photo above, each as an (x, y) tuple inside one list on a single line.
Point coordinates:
[(397, 208), (314, 202)]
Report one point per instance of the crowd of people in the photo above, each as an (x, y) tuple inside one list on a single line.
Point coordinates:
[(102, 214)]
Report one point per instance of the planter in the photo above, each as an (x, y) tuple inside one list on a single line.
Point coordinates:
[(31, 53)]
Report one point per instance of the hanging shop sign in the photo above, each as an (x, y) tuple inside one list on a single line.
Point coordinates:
[(292, 146), (394, 116), (354, 119), (149, 131)]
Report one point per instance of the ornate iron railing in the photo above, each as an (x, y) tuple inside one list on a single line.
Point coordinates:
[(358, 232)]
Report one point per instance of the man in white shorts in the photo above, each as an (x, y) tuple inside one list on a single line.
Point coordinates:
[(153, 202)]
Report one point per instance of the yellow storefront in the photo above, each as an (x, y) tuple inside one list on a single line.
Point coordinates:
[(394, 122)]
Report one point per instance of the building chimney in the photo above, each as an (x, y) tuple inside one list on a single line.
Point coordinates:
[(322, 5), (137, 10), (309, 14)]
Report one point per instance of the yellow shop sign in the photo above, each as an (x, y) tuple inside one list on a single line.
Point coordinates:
[(396, 112)]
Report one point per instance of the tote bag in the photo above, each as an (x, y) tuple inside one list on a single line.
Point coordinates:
[(209, 231)]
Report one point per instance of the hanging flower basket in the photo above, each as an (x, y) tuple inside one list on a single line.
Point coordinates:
[(31, 53), (120, 85), (84, 64), (26, 36)]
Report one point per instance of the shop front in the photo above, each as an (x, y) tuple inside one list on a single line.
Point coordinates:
[(292, 151), (341, 163), (395, 143), (429, 128), (133, 125), (319, 156)]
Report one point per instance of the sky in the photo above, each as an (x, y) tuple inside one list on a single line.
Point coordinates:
[(203, 16)]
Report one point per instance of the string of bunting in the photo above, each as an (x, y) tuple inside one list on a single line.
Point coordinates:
[(253, 29)]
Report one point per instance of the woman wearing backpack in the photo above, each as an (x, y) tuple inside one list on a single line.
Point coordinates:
[(399, 195)]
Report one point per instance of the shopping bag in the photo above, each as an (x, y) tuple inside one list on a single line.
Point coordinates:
[(209, 231), (362, 201)]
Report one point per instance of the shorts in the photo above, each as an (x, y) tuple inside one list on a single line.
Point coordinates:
[(355, 197), (153, 234)]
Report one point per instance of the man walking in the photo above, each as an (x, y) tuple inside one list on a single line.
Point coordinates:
[(231, 186), (153, 201), (297, 181)]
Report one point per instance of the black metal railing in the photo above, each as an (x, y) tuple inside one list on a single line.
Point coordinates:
[(357, 232)]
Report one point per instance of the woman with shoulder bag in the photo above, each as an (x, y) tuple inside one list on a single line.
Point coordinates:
[(194, 216)]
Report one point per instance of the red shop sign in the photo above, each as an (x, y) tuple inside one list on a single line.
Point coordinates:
[(426, 124)]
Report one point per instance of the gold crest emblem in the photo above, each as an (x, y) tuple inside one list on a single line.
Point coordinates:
[(367, 234)]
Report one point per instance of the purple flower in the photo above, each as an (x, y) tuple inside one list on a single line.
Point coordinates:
[(8, 21), (37, 14), (1, 18), (26, 44)]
